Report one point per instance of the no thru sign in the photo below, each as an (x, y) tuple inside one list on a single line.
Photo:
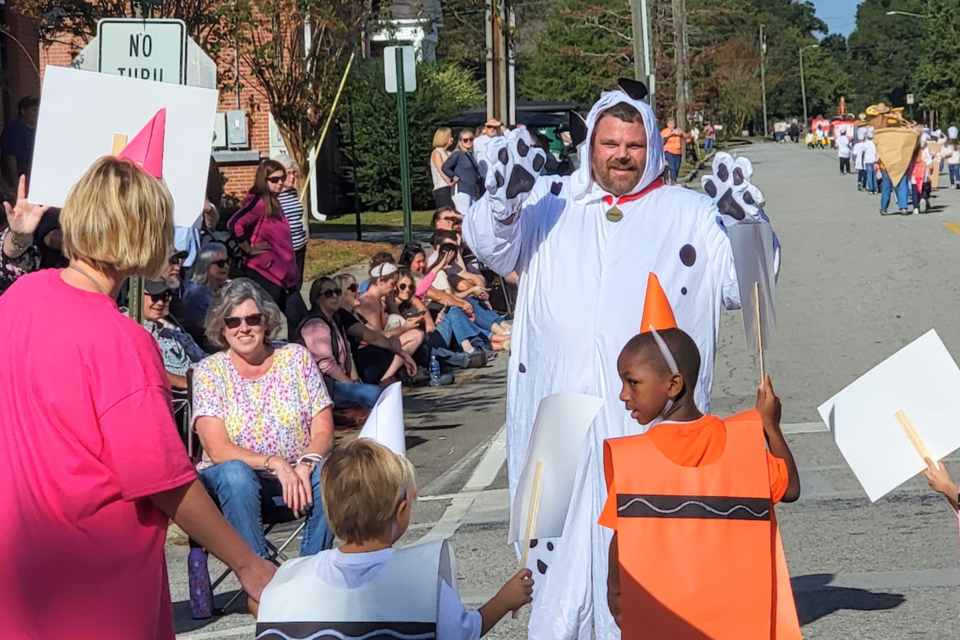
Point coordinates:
[(145, 49)]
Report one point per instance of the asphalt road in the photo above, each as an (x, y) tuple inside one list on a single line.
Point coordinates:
[(854, 288)]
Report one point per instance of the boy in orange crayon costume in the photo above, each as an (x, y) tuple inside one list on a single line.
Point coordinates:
[(696, 553)]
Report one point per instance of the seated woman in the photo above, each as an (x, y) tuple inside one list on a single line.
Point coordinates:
[(326, 333), (372, 311), (261, 410), (180, 351), (452, 330), (210, 272)]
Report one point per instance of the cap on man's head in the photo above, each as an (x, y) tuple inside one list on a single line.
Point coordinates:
[(179, 255), (27, 102), (155, 287)]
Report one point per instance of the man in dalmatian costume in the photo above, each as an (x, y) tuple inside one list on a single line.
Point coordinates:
[(584, 246)]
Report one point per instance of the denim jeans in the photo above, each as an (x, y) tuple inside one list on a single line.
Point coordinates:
[(708, 145), (861, 179), (673, 161), (483, 316), (902, 193), (954, 173), (457, 327), (237, 487), (871, 170), (355, 393)]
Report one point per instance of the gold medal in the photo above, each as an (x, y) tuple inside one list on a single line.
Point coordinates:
[(614, 214)]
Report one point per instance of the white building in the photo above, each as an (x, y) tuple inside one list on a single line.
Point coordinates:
[(414, 23)]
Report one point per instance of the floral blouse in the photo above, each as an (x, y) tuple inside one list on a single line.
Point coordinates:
[(270, 415), (13, 268)]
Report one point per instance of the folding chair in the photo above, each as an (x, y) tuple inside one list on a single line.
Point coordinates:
[(271, 516)]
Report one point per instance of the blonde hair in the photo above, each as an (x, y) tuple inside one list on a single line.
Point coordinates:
[(362, 484), (119, 217), (442, 137)]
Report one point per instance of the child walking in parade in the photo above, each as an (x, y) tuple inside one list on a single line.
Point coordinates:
[(366, 588), (691, 501)]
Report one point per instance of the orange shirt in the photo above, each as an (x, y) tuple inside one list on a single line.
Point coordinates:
[(692, 444), (671, 141)]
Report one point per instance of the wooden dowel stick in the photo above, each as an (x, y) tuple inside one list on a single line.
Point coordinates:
[(914, 436), (532, 509), (119, 143), (756, 307)]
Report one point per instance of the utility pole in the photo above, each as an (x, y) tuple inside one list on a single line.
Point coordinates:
[(803, 85), (763, 78), (642, 51), (500, 61), (679, 38)]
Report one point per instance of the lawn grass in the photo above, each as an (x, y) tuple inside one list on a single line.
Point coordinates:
[(325, 257), (373, 222)]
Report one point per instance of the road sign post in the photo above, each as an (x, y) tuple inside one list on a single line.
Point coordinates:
[(397, 73)]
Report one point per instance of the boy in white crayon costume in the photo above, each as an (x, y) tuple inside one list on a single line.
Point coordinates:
[(366, 588)]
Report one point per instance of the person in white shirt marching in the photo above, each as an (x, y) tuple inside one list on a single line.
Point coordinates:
[(951, 153), (366, 588), (870, 161), (857, 155), (843, 151)]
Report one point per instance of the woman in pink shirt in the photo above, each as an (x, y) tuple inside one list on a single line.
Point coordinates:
[(264, 233), (91, 463)]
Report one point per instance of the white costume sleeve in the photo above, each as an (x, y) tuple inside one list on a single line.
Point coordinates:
[(721, 255), (454, 622)]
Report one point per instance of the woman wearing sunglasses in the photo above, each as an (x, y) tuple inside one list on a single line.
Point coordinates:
[(210, 272), (179, 350), (461, 169), (264, 235), (327, 333), (260, 408)]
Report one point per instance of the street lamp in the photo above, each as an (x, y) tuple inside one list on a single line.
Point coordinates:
[(906, 13), (803, 86)]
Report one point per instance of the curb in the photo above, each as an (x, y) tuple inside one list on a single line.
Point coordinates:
[(687, 179)]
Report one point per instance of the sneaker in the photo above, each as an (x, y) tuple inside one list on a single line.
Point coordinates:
[(924, 207), (905, 212), (478, 359), (887, 213)]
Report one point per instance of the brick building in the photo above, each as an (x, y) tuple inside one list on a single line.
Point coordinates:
[(19, 49)]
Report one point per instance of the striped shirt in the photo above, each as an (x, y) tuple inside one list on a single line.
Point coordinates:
[(293, 210)]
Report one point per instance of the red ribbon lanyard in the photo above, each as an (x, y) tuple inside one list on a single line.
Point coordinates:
[(624, 199)]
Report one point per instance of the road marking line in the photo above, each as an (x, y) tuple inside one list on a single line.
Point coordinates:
[(804, 427), (482, 477), (952, 227)]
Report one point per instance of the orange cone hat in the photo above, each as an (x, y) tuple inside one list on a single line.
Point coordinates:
[(146, 149), (657, 312)]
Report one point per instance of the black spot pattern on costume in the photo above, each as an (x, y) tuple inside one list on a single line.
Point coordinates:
[(723, 173), (534, 542), (542, 567), (729, 206), (521, 181), (549, 546), (499, 178), (683, 291), (748, 198), (738, 176), (556, 188), (523, 148), (523, 369), (688, 255), (538, 163), (503, 155), (482, 165), (710, 188)]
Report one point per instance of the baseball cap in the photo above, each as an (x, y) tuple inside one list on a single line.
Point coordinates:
[(155, 287)]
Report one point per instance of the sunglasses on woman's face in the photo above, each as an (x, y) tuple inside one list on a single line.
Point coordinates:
[(353, 288), (164, 297), (276, 179), (405, 286), (465, 140), (330, 293), (253, 320), (220, 263)]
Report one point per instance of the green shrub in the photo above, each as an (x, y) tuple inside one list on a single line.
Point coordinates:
[(443, 91)]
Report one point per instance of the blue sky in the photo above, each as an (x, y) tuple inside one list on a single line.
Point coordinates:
[(840, 15)]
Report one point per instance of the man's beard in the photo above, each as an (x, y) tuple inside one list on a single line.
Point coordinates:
[(614, 184)]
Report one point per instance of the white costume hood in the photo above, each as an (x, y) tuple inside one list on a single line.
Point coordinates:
[(581, 182)]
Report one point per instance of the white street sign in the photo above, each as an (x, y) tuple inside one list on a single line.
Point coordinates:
[(409, 69), (909, 98), (145, 49)]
